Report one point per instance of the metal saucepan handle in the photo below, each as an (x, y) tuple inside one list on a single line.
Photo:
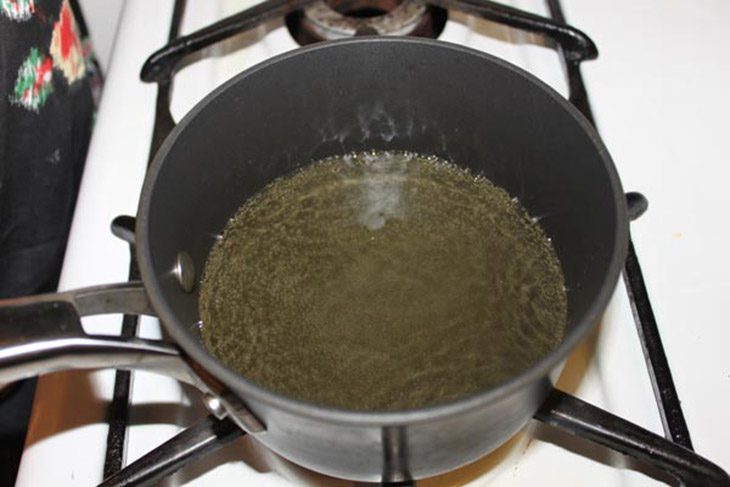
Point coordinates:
[(43, 333), (585, 420)]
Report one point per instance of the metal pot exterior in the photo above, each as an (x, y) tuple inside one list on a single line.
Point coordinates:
[(398, 452), (385, 94)]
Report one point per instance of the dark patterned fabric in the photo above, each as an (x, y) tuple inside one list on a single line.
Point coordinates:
[(46, 114), (47, 84)]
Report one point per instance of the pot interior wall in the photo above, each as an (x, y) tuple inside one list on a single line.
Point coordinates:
[(423, 97)]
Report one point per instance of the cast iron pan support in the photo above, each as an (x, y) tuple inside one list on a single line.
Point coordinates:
[(560, 409), (161, 65), (670, 410), (582, 419), (123, 227), (575, 45), (203, 438)]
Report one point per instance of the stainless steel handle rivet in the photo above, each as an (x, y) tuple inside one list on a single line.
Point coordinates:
[(214, 406), (185, 271)]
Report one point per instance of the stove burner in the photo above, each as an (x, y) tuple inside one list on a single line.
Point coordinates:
[(339, 19)]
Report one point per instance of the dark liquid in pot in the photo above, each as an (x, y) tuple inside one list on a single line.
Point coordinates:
[(382, 281)]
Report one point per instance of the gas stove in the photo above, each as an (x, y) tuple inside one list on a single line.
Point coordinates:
[(87, 425)]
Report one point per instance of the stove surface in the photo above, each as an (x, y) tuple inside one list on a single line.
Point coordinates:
[(657, 93)]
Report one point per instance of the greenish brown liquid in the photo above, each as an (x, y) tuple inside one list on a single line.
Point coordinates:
[(381, 281)]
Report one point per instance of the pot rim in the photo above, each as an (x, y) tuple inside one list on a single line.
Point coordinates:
[(237, 382)]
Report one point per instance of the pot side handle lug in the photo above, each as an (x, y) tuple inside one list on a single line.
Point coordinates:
[(636, 204)]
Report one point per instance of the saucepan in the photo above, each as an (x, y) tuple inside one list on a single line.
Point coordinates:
[(425, 96)]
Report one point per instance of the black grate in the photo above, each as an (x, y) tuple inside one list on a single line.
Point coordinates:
[(118, 412), (660, 374)]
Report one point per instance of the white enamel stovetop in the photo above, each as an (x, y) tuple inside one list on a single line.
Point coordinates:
[(659, 92)]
